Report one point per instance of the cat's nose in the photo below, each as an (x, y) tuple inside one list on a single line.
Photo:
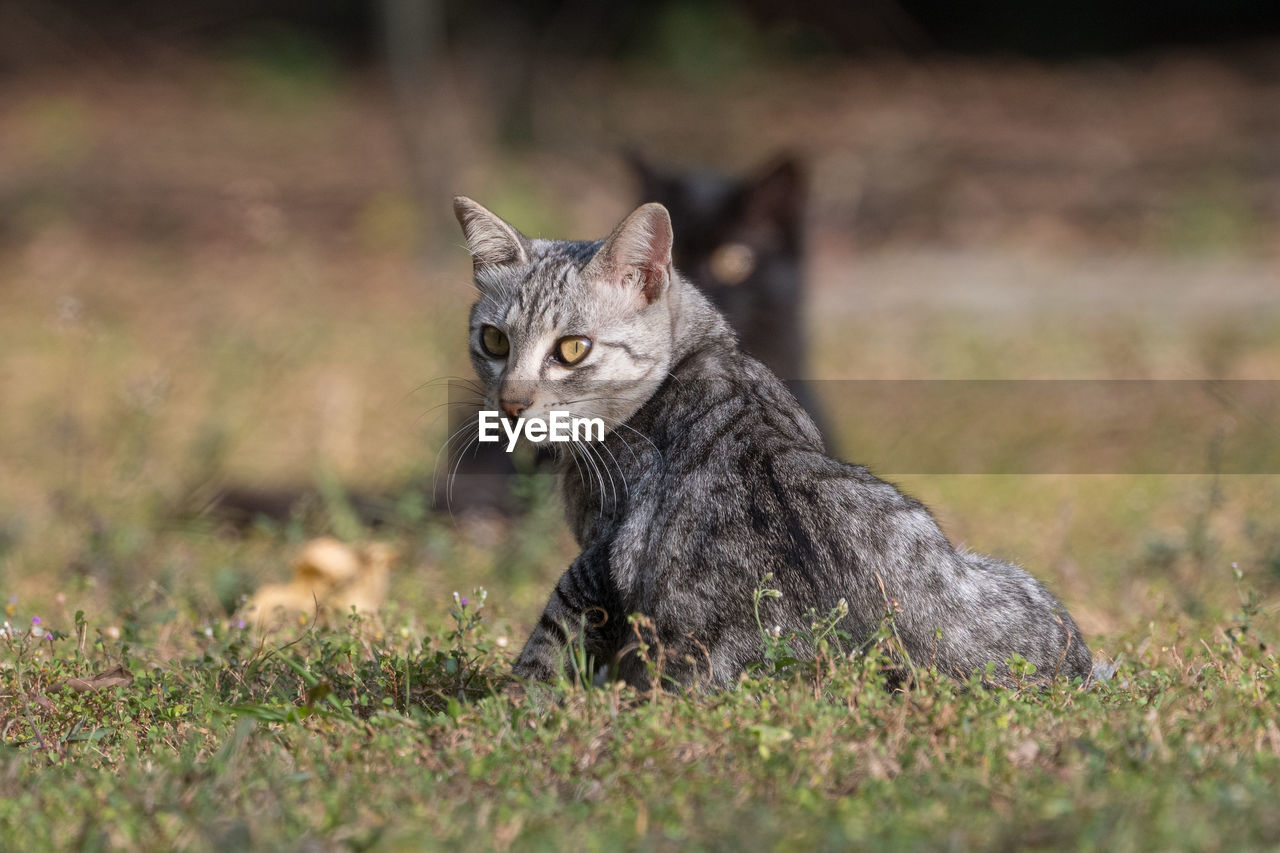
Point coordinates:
[(513, 408)]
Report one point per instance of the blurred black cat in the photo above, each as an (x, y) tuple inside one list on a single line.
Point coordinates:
[(739, 239)]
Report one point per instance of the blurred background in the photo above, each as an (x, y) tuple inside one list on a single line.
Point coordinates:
[(227, 258)]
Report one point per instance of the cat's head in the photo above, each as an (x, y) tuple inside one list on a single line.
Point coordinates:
[(583, 328), (738, 239)]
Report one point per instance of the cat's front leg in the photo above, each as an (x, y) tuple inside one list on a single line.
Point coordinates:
[(581, 624)]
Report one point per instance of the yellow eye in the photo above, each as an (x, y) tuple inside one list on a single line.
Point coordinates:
[(572, 350), (494, 342)]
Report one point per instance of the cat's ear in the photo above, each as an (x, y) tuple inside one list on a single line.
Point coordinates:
[(492, 241), (637, 255), (652, 183), (777, 193)]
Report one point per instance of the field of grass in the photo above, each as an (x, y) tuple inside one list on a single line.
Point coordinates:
[(203, 288)]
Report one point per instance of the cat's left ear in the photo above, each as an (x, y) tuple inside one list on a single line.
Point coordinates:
[(492, 241), (637, 255)]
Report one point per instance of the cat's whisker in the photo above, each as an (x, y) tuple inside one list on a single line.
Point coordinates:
[(612, 485), (589, 482), (578, 455), (621, 474), (459, 451), (574, 457), (601, 472), (466, 384), (596, 476), (592, 399), (459, 404), (456, 465), (615, 422), (435, 479)]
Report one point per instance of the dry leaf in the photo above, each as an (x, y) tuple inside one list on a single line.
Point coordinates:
[(328, 575), (113, 677), (326, 562)]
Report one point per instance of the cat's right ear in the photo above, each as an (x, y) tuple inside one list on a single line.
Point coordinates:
[(492, 241), (777, 193), (636, 257)]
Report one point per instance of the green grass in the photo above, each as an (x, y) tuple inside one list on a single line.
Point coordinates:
[(355, 736)]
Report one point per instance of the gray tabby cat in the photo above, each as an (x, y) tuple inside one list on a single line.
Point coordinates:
[(711, 475)]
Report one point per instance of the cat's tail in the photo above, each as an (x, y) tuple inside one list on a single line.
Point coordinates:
[(1103, 670)]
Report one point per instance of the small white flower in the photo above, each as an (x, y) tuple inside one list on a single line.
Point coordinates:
[(502, 642)]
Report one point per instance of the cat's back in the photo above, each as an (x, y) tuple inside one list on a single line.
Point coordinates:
[(745, 489), (743, 466)]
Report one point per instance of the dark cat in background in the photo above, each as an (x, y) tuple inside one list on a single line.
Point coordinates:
[(741, 241)]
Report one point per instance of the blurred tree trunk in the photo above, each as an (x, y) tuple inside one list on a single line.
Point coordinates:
[(412, 35)]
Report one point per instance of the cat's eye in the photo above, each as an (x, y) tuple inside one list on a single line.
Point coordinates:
[(733, 263), (494, 342), (572, 350)]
